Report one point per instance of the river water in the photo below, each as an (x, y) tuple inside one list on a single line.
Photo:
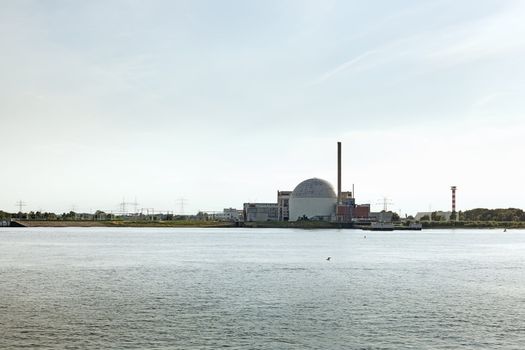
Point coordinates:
[(102, 288)]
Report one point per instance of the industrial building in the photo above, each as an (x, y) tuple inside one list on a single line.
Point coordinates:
[(312, 199), (261, 212), (232, 214), (283, 203)]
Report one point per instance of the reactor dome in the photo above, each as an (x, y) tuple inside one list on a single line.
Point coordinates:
[(314, 199)]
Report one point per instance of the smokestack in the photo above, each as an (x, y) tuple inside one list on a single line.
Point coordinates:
[(339, 172), (453, 188)]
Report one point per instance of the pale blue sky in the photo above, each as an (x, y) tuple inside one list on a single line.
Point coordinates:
[(222, 102)]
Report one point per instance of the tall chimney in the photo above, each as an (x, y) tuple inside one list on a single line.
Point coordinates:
[(338, 172), (453, 188)]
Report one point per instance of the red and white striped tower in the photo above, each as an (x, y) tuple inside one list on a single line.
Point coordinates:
[(453, 188)]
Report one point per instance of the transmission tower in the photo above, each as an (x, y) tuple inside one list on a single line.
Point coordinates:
[(135, 206), (182, 202), (385, 202), (122, 206), (20, 204)]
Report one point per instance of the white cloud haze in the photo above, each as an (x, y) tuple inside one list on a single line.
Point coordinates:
[(227, 102)]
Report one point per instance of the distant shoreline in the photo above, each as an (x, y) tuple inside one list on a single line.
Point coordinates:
[(473, 224), (267, 224), (117, 223), (179, 223)]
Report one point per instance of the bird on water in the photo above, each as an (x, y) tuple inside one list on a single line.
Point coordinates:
[(328, 259)]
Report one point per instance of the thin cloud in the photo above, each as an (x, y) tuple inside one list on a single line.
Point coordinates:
[(343, 67), (500, 34)]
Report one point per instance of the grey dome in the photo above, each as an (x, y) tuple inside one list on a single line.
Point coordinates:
[(313, 188)]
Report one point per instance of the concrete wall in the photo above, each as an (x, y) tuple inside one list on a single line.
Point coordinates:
[(312, 207)]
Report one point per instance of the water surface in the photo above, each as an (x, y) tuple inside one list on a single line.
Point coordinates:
[(135, 288)]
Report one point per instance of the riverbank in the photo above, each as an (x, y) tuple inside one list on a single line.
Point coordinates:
[(265, 224), (120, 223), (179, 223)]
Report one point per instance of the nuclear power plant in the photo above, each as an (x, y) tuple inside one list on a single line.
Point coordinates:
[(312, 199)]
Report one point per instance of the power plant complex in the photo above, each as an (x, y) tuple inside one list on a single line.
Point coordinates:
[(312, 199)]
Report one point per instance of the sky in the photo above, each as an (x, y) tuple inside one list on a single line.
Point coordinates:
[(225, 102)]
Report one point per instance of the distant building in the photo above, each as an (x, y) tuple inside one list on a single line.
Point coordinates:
[(227, 214), (344, 211), (283, 204), (261, 212), (347, 198), (362, 211), (313, 199), (351, 212), (232, 214)]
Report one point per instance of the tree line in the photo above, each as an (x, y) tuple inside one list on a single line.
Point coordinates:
[(482, 214), (32, 215)]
